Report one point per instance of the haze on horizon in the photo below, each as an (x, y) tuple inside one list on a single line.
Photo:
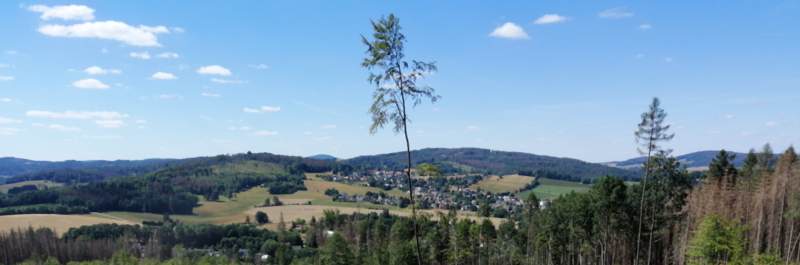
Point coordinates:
[(175, 80)]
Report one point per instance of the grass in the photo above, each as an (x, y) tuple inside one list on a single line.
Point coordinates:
[(498, 184), (552, 188), (58, 222), (39, 184), (247, 203)]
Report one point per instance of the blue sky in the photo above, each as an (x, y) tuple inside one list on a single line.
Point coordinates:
[(544, 77)]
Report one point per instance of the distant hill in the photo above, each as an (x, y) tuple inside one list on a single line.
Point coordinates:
[(493, 162), (12, 166), (323, 157), (699, 159)]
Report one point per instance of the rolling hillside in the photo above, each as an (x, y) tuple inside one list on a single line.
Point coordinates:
[(699, 159), (493, 162)]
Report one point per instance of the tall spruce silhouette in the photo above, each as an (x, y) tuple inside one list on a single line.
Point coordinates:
[(650, 133)]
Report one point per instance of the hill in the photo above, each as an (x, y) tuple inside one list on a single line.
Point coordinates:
[(323, 157), (699, 159), (12, 166), (477, 160)]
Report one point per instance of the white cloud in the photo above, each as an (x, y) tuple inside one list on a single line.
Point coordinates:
[(2, 65), (97, 70), (615, 13), (550, 19), (771, 123), (260, 66), (329, 126), (239, 128), (4, 120), (108, 30), (509, 31), (668, 59), (226, 81), (645, 26), (58, 127), (639, 55), (178, 30), (214, 70), (210, 95), (140, 121), (111, 124), (262, 109), (5, 100), (67, 12), (90, 83), (163, 76), (265, 133), (473, 128), (76, 115), (168, 55), (6, 78), (8, 131), (12, 52), (140, 55), (729, 116)]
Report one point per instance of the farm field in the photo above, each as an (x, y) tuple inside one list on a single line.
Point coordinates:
[(507, 183), (59, 222), (39, 183), (552, 188), (295, 206)]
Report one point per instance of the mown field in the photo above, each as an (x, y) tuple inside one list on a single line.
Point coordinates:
[(507, 183), (39, 183), (552, 188), (59, 222)]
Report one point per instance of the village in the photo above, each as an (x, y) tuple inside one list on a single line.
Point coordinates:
[(455, 191)]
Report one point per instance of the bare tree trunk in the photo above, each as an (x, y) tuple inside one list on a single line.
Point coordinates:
[(410, 181), (641, 203)]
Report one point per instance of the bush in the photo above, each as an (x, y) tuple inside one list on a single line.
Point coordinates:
[(262, 218)]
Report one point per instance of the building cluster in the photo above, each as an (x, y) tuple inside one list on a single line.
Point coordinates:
[(450, 192)]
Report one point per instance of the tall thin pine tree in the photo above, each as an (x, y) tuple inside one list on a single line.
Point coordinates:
[(650, 133)]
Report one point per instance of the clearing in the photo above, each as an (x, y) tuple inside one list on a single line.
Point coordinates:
[(58, 222), (507, 183), (552, 188), (39, 184)]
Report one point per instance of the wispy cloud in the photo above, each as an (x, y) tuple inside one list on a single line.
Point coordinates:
[(265, 133), (97, 70), (65, 12), (329, 126), (143, 36), (262, 109), (615, 13), (509, 30), (214, 70), (645, 27), (58, 127), (210, 94), (168, 55), (227, 81), (260, 66), (5, 121), (77, 115), (6, 78), (163, 76), (550, 19), (140, 55)]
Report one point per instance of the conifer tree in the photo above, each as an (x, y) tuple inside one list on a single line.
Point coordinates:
[(650, 133)]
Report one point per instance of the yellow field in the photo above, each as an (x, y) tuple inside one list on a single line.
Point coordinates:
[(39, 183), (59, 222), (508, 183)]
